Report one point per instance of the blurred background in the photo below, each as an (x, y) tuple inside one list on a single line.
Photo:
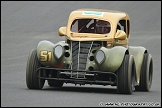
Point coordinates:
[(47, 16)]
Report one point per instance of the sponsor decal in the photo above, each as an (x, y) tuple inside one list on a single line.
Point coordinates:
[(92, 13), (79, 36)]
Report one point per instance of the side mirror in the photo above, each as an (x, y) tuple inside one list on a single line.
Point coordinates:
[(121, 35), (62, 31)]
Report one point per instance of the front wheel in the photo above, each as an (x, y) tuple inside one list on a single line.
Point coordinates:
[(146, 74), (126, 75), (32, 80)]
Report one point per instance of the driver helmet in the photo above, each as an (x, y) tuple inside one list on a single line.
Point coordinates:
[(102, 27)]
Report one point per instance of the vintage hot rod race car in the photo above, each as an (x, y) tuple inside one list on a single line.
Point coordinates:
[(95, 51)]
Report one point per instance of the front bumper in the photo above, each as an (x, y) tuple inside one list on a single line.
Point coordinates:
[(72, 76)]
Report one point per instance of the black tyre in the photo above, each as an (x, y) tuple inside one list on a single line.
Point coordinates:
[(146, 74), (126, 75), (54, 83), (32, 80)]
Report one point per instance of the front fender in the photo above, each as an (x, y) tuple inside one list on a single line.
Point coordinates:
[(47, 55), (137, 52), (113, 58)]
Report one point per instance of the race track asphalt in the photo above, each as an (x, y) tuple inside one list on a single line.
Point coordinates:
[(25, 23)]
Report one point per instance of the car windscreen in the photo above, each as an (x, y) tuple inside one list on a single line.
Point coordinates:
[(90, 26)]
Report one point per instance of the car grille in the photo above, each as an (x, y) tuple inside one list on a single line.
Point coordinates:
[(80, 54), (80, 51)]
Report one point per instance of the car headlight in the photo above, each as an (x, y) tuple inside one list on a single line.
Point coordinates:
[(58, 51), (100, 56)]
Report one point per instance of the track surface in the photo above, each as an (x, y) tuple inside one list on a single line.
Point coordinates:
[(25, 23)]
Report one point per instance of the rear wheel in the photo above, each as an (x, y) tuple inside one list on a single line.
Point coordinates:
[(32, 80), (54, 83), (126, 75), (146, 74)]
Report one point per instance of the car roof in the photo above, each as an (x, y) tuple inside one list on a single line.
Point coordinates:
[(99, 13)]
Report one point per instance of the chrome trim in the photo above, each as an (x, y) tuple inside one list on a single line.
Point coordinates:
[(90, 49), (78, 58), (71, 58), (89, 54)]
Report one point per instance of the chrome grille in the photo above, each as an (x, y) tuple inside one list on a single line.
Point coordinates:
[(80, 51), (80, 54)]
